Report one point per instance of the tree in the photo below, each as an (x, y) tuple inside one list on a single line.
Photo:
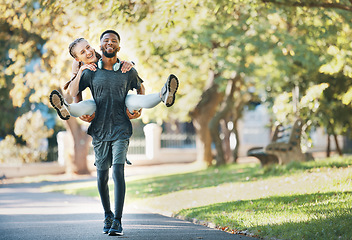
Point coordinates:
[(327, 4), (314, 49), (218, 49), (36, 35), (213, 46)]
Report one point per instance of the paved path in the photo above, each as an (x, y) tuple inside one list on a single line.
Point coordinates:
[(28, 213)]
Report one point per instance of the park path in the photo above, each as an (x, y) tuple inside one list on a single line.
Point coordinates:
[(26, 212)]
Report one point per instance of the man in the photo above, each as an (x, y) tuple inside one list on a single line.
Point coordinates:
[(111, 127)]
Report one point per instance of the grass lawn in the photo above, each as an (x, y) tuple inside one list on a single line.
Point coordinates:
[(311, 200)]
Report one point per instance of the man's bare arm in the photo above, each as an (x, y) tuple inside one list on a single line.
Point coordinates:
[(141, 90)]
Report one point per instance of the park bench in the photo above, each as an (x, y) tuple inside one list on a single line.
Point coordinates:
[(284, 147)]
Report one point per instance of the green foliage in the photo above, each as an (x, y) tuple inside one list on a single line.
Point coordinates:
[(9, 150), (308, 105), (30, 127), (195, 39), (310, 52), (344, 5), (272, 47), (347, 97)]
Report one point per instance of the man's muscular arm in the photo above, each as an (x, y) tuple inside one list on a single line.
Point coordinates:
[(141, 90), (136, 114)]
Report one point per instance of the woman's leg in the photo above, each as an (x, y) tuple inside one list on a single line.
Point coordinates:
[(65, 110), (136, 102), (166, 95), (86, 107)]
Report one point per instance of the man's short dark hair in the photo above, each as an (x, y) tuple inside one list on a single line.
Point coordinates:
[(110, 31)]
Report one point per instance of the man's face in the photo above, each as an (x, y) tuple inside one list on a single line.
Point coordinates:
[(84, 52), (110, 45)]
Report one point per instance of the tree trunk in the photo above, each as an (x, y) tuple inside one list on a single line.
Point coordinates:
[(214, 125), (223, 113), (328, 147), (337, 145), (226, 142), (235, 131), (201, 116), (81, 142), (240, 99), (214, 132)]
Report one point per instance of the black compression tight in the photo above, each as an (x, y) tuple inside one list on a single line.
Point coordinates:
[(103, 188), (118, 175)]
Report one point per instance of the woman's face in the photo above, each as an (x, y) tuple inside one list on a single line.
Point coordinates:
[(84, 52)]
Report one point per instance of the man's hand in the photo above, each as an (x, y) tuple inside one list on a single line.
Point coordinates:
[(126, 66), (87, 118), (135, 114)]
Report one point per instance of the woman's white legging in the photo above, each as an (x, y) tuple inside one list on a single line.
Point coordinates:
[(132, 101)]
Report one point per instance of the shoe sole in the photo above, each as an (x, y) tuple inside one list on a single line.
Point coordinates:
[(57, 102), (115, 234), (172, 87)]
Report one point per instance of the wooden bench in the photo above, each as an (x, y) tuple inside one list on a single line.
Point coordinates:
[(285, 146)]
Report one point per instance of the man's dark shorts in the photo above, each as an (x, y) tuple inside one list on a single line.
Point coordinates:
[(111, 152)]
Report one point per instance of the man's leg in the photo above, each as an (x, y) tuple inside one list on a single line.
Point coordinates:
[(119, 153), (103, 188), (120, 189), (102, 151)]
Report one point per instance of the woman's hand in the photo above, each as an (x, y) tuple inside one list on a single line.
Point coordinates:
[(126, 66), (90, 66)]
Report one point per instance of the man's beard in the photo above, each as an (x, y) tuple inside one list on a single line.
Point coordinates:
[(109, 55)]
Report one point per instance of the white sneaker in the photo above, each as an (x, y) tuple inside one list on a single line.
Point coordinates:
[(168, 92), (58, 102)]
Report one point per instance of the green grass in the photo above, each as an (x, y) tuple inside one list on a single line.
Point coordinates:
[(308, 216), (311, 200)]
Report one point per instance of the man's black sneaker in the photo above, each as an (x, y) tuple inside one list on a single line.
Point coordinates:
[(58, 102), (116, 229), (168, 91), (107, 224)]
